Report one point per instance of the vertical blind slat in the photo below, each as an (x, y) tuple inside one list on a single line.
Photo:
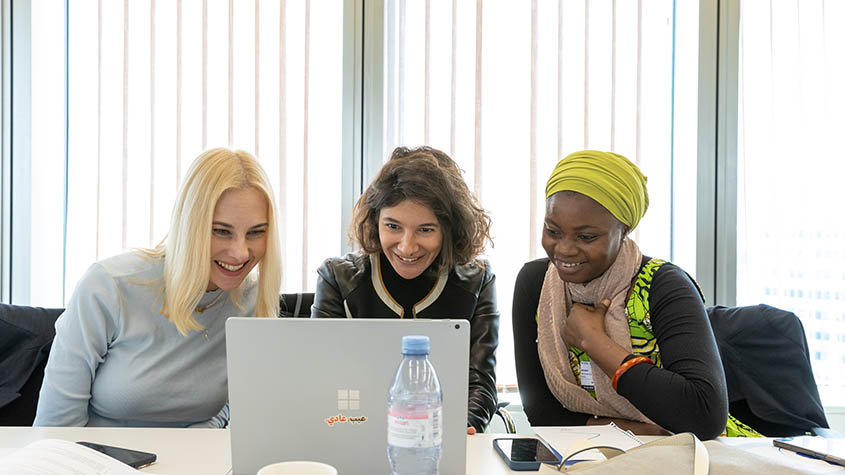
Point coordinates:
[(231, 75), (204, 74), (532, 154), (477, 161), (305, 144), (639, 91), (639, 77), (427, 87), (586, 74), (400, 121), (99, 119), (178, 93), (613, 78), (390, 128), (257, 70), (152, 120), (282, 218), (125, 164), (453, 80), (560, 79)]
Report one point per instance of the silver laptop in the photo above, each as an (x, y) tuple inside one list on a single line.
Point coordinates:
[(316, 389)]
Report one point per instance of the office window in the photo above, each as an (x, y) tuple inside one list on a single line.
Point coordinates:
[(509, 88), (148, 89), (790, 165)]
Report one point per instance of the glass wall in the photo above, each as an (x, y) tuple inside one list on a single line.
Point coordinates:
[(790, 231), (145, 90), (509, 88), (123, 100)]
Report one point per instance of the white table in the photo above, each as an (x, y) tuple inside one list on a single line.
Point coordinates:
[(192, 451), (179, 451), (207, 451)]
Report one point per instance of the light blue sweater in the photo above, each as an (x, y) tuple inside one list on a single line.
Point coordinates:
[(116, 361)]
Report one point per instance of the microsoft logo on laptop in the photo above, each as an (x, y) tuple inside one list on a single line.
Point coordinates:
[(347, 400)]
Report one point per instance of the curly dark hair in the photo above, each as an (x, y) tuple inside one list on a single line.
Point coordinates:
[(430, 177)]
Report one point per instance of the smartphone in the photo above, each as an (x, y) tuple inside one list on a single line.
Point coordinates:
[(830, 450), (525, 453), (133, 458)]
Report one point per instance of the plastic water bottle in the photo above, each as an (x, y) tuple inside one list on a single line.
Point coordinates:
[(414, 412)]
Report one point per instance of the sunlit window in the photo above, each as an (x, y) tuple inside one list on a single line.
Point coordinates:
[(507, 91), (790, 168), (151, 87)]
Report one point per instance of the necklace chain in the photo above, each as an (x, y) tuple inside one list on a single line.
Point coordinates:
[(202, 308)]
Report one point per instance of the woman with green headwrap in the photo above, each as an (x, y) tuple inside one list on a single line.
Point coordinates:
[(603, 333)]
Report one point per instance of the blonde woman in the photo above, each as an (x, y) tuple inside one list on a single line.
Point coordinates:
[(142, 341)]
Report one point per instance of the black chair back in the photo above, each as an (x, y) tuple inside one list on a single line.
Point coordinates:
[(26, 335), (767, 368), (296, 305)]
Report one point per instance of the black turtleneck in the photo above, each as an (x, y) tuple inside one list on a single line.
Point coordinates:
[(406, 292)]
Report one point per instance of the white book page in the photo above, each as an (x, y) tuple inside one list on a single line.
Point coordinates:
[(60, 457), (610, 435)]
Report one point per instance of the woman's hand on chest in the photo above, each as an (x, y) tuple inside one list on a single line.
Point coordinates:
[(585, 330)]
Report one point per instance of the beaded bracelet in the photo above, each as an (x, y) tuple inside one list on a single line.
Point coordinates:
[(626, 366)]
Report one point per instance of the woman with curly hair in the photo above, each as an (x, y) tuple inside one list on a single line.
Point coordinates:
[(420, 232)]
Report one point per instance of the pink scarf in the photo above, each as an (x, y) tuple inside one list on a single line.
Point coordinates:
[(556, 300)]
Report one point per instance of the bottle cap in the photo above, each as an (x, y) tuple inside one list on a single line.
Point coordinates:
[(415, 345)]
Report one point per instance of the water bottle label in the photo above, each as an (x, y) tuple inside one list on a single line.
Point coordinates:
[(415, 429)]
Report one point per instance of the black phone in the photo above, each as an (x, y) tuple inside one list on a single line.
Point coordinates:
[(133, 458), (525, 453)]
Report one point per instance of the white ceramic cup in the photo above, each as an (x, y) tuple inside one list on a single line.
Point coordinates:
[(297, 468)]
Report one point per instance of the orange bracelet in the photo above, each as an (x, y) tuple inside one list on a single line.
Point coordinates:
[(626, 366)]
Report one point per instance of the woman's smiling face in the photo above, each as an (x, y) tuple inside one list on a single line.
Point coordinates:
[(411, 237), (580, 236), (238, 236)]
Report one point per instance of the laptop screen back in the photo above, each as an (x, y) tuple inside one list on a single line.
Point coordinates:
[(316, 389)]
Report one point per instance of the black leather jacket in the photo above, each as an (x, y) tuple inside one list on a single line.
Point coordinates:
[(345, 288)]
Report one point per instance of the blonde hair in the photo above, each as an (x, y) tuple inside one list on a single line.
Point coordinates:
[(187, 248)]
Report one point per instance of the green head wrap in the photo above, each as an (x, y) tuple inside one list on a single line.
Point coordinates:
[(610, 179)]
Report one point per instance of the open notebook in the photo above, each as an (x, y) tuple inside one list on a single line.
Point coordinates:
[(60, 457)]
